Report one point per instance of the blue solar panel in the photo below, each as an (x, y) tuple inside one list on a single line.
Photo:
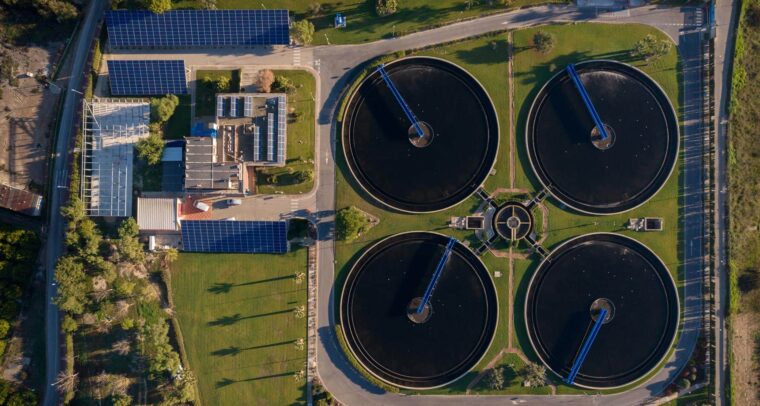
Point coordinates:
[(196, 28), (235, 236), (145, 78)]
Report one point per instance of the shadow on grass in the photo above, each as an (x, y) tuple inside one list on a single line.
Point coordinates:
[(486, 54), (230, 320), (234, 350), (227, 381), (225, 287)]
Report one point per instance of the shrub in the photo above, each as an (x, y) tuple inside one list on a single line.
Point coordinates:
[(283, 84), (302, 32), (495, 378), (350, 223), (161, 110), (150, 148), (650, 48), (265, 80), (544, 41), (158, 6), (4, 328), (684, 384), (386, 7)]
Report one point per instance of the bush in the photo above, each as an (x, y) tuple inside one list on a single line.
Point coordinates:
[(544, 41), (283, 84), (3, 344), (350, 223), (150, 148), (650, 48), (302, 32), (684, 384), (161, 110), (5, 327), (306, 175), (385, 8), (265, 80), (158, 6), (495, 378), (22, 398)]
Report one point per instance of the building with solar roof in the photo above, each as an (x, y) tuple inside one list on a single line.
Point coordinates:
[(111, 127), (146, 77), (136, 29), (250, 130)]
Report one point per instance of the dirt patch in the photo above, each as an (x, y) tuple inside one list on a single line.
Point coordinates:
[(26, 114), (745, 368)]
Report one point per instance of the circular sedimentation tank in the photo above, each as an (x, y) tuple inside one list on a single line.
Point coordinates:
[(595, 175), (436, 346), (442, 167), (580, 278)]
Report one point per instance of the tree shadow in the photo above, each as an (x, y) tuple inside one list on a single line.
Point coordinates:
[(225, 287), (233, 319), (234, 350), (227, 381), (491, 53)]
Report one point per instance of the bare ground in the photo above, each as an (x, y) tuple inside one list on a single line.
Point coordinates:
[(26, 114), (745, 369)]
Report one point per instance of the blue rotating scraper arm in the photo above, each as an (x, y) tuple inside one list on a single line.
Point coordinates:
[(585, 347), (436, 275), (400, 100), (587, 100)]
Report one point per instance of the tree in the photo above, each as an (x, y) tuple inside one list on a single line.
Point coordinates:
[(386, 7), (302, 32), (283, 84), (158, 6), (5, 327), (350, 222), (306, 175), (69, 325), (650, 48), (22, 398), (684, 384), (66, 382), (534, 375), (129, 245), (495, 378), (122, 347), (544, 41), (61, 10), (265, 80), (314, 9), (150, 148), (208, 4), (72, 285), (161, 110), (468, 4)]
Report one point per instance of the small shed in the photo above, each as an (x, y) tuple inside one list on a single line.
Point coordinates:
[(158, 213)]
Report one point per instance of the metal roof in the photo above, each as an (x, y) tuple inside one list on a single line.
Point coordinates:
[(157, 213)]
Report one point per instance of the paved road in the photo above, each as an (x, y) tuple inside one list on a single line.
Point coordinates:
[(334, 65), (725, 16), (55, 227)]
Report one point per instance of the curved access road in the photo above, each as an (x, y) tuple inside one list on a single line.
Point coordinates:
[(59, 182), (334, 64)]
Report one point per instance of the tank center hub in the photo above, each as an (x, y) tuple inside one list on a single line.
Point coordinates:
[(599, 143), (597, 306), (426, 138), (422, 317)]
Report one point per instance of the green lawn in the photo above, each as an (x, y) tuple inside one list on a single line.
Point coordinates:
[(363, 24), (300, 131), (205, 96), (486, 59), (236, 316), (178, 125)]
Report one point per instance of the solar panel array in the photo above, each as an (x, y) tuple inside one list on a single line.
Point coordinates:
[(254, 237), (281, 119), (147, 78), (196, 28)]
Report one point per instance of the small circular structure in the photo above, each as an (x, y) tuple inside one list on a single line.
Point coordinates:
[(513, 221), (420, 174), (380, 297), (595, 175), (578, 279)]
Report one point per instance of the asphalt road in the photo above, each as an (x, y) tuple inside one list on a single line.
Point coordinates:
[(725, 21), (53, 245), (334, 65)]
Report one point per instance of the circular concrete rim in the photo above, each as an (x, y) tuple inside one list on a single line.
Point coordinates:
[(343, 330), (672, 167), (644, 378), (350, 98), (504, 206)]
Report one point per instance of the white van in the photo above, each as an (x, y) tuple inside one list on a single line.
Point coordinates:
[(201, 206), (234, 202)]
